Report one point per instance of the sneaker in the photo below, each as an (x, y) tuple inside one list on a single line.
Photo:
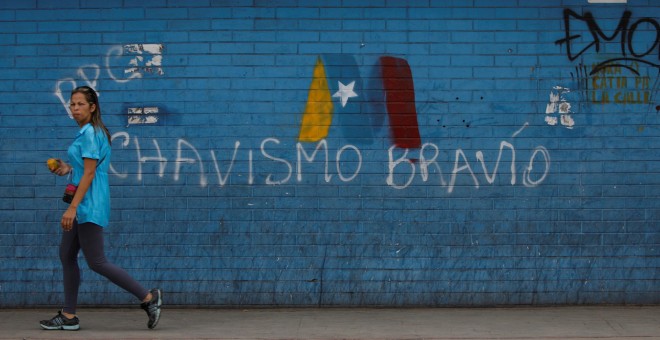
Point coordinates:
[(152, 308), (61, 322)]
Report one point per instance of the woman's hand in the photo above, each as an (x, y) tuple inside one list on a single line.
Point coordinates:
[(68, 218), (63, 169), (89, 172)]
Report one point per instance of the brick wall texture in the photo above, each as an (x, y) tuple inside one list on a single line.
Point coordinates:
[(342, 153)]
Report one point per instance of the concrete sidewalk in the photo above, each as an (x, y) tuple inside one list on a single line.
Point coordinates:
[(342, 323)]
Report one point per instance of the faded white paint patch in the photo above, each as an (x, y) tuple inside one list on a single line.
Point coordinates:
[(142, 115), (552, 104), (567, 121), (149, 58), (558, 104)]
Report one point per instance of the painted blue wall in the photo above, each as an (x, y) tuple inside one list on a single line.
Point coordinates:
[(536, 180)]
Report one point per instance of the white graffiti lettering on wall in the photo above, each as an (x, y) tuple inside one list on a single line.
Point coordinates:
[(138, 66), (401, 173), (403, 165)]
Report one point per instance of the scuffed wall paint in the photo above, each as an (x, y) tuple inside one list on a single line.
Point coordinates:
[(559, 105), (148, 58), (142, 115)]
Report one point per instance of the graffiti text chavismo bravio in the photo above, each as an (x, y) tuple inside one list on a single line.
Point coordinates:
[(341, 165)]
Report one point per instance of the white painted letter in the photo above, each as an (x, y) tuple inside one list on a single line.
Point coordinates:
[(280, 160), (221, 180), (491, 179), (160, 158), (424, 164), (301, 150), (460, 153), (118, 51), (527, 181), (127, 140), (392, 164), (357, 171), (179, 160), (58, 93)]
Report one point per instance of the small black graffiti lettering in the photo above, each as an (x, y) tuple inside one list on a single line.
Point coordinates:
[(624, 31)]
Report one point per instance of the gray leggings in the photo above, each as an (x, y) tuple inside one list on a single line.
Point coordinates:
[(89, 238)]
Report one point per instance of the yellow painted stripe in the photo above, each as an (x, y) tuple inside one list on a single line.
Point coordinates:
[(317, 118)]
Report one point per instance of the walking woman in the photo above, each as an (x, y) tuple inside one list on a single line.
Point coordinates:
[(89, 213)]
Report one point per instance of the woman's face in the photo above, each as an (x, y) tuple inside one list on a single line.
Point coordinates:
[(81, 109)]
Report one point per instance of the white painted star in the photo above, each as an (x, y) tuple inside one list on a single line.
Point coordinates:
[(345, 92)]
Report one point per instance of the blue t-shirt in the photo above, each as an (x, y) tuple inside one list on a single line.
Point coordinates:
[(92, 143)]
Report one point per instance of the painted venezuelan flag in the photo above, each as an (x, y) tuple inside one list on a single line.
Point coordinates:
[(338, 92)]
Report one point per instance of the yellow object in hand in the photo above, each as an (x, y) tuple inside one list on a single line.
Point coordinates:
[(53, 164)]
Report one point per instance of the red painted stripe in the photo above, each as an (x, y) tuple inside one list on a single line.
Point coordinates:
[(400, 101)]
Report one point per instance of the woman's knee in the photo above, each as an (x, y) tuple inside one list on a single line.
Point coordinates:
[(68, 262), (68, 258), (97, 265)]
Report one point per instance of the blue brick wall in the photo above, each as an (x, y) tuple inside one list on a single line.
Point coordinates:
[(535, 180)]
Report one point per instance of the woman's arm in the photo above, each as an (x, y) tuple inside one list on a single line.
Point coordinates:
[(88, 175)]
